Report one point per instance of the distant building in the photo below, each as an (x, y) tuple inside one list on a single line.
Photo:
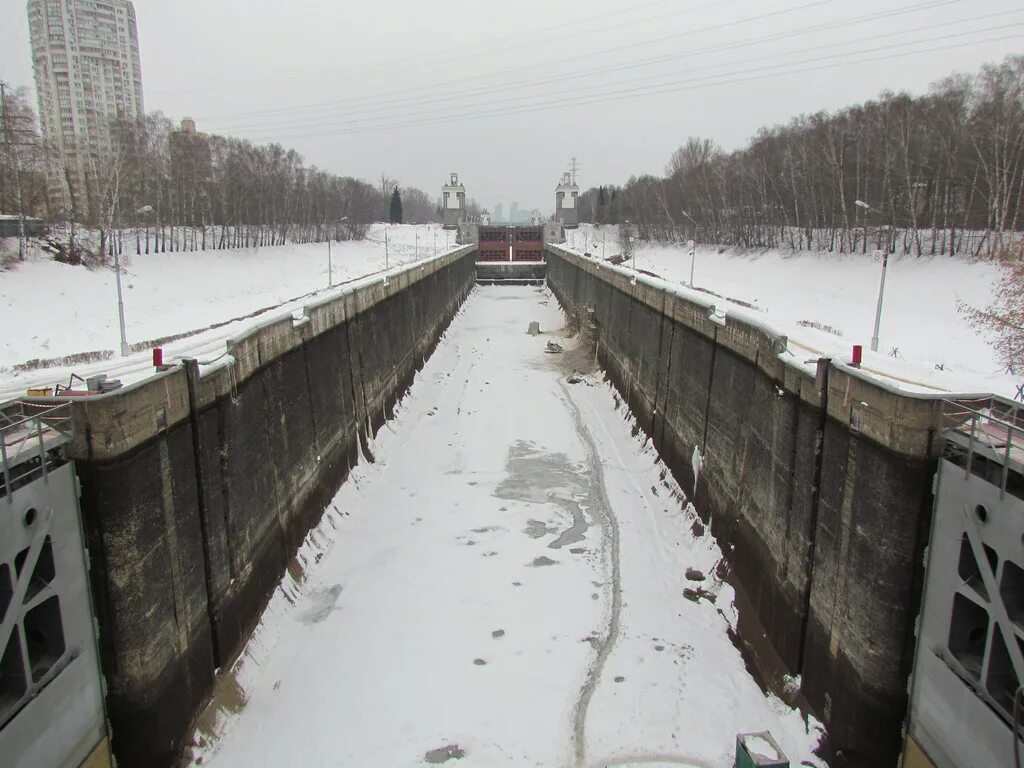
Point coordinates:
[(190, 153), (566, 194), (499, 213), (10, 226), (87, 69), (453, 201), (513, 213), (485, 217)]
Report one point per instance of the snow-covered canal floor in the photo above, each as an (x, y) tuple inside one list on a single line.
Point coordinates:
[(503, 586)]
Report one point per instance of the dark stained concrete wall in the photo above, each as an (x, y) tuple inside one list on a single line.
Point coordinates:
[(198, 486), (817, 488)]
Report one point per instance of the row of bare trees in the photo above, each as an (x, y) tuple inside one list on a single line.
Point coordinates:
[(942, 173), (163, 189), (196, 192)]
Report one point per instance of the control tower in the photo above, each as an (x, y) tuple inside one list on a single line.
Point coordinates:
[(453, 198), (566, 194)]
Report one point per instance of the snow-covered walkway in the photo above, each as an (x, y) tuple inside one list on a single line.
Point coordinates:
[(503, 586)]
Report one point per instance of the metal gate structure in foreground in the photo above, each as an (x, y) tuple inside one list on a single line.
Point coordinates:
[(51, 688), (969, 662)]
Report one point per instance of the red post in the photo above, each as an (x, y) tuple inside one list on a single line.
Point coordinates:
[(158, 357), (858, 354)]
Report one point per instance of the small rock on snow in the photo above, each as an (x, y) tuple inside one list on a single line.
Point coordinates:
[(444, 754), (695, 595)]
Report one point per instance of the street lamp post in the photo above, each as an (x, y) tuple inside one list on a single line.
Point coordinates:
[(125, 351), (692, 244), (881, 284)]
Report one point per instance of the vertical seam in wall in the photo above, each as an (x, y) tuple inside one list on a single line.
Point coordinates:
[(791, 484), (657, 369), (225, 481), (181, 614), (707, 401), (355, 352), (668, 376), (191, 380), (747, 437), (309, 395), (812, 528), (267, 405)]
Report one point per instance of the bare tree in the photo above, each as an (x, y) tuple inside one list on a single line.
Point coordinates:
[(942, 172), (1003, 319)]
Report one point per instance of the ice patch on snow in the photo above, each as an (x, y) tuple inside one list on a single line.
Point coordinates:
[(697, 462)]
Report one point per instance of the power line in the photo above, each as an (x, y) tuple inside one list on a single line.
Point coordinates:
[(561, 61), (364, 123), (641, 93), (487, 51), (361, 116), (291, 118)]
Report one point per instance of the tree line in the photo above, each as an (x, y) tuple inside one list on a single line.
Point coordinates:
[(940, 173), (163, 189)]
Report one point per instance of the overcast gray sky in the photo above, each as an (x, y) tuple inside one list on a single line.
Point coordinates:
[(505, 93)]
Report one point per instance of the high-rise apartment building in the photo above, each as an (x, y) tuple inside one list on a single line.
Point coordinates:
[(87, 67)]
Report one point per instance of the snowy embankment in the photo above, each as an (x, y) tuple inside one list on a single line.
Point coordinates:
[(50, 310), (825, 303), (504, 585)]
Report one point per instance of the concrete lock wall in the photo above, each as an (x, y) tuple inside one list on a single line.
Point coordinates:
[(817, 486), (199, 484)]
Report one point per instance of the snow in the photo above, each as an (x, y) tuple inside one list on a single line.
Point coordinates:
[(50, 310), (504, 581), (825, 303)]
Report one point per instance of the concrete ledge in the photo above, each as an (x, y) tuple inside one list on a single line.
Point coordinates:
[(120, 421), (487, 271), (897, 419)]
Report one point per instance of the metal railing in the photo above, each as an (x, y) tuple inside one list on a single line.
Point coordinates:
[(29, 431), (993, 427)]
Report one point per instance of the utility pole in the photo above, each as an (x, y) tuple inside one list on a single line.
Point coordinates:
[(881, 283), (881, 295), (15, 155)]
